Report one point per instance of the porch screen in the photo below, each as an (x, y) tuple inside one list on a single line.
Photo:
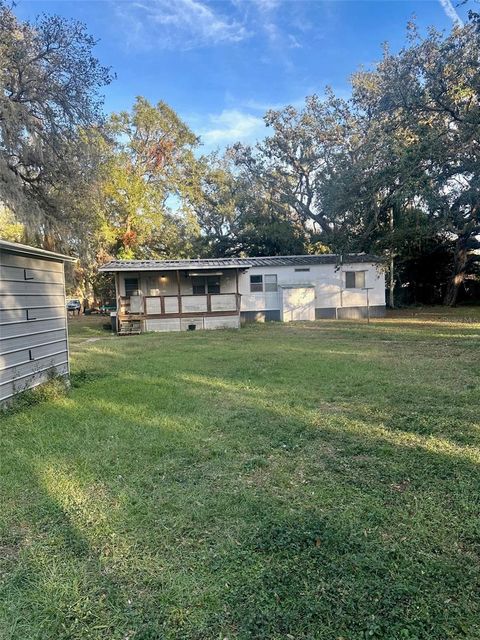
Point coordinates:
[(205, 284), (131, 285)]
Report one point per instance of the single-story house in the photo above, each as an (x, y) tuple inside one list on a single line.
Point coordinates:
[(175, 295), (33, 317)]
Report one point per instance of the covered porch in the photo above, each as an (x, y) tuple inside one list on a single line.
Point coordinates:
[(177, 299)]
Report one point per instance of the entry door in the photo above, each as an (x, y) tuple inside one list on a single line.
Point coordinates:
[(298, 304)]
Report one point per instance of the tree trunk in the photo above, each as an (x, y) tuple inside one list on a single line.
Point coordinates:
[(391, 300), (458, 275), (391, 287)]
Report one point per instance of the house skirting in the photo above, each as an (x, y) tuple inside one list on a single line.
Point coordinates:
[(326, 313), (272, 315), (192, 323), (349, 313)]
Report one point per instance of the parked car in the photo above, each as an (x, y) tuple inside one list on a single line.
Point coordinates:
[(74, 305)]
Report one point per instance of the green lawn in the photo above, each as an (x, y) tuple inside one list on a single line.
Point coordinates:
[(281, 482)]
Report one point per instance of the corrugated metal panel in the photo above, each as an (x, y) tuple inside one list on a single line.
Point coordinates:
[(244, 263)]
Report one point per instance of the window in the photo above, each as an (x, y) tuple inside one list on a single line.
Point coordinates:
[(198, 286), (131, 285), (271, 282), (354, 279), (302, 269), (213, 284), (256, 284), (205, 284)]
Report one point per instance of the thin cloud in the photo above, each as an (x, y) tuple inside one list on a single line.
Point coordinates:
[(183, 24), (451, 12), (232, 125)]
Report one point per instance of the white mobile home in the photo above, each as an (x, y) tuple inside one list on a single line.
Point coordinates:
[(175, 295), (33, 318)]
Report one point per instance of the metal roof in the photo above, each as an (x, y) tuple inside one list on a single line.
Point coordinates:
[(236, 263), (25, 249)]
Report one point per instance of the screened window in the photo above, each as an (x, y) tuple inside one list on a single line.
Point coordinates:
[(205, 284), (256, 284), (213, 284), (198, 285), (131, 285), (271, 282), (354, 279)]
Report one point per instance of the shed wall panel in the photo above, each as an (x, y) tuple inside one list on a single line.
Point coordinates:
[(33, 326), (20, 274), (24, 342), (30, 287), (32, 366), (13, 260), (20, 315), (27, 329), (31, 301), (23, 355), (13, 387)]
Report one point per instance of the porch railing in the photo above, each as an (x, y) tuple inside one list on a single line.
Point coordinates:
[(175, 305)]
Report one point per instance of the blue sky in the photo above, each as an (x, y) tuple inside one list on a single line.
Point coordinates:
[(222, 64)]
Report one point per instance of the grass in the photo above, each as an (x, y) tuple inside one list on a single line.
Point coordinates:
[(312, 481)]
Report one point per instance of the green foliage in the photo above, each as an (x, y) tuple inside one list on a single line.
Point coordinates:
[(53, 389), (239, 216), (49, 95), (10, 228), (147, 166), (395, 169)]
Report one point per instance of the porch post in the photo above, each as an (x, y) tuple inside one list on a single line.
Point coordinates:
[(237, 294), (179, 292), (117, 295)]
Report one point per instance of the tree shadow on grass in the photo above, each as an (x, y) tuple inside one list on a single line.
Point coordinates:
[(56, 585), (242, 512)]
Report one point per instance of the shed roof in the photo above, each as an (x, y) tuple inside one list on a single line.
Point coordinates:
[(25, 249), (235, 263)]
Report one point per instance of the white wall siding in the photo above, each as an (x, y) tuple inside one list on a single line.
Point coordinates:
[(258, 301), (329, 282)]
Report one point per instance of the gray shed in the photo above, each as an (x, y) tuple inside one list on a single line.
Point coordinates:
[(33, 317)]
